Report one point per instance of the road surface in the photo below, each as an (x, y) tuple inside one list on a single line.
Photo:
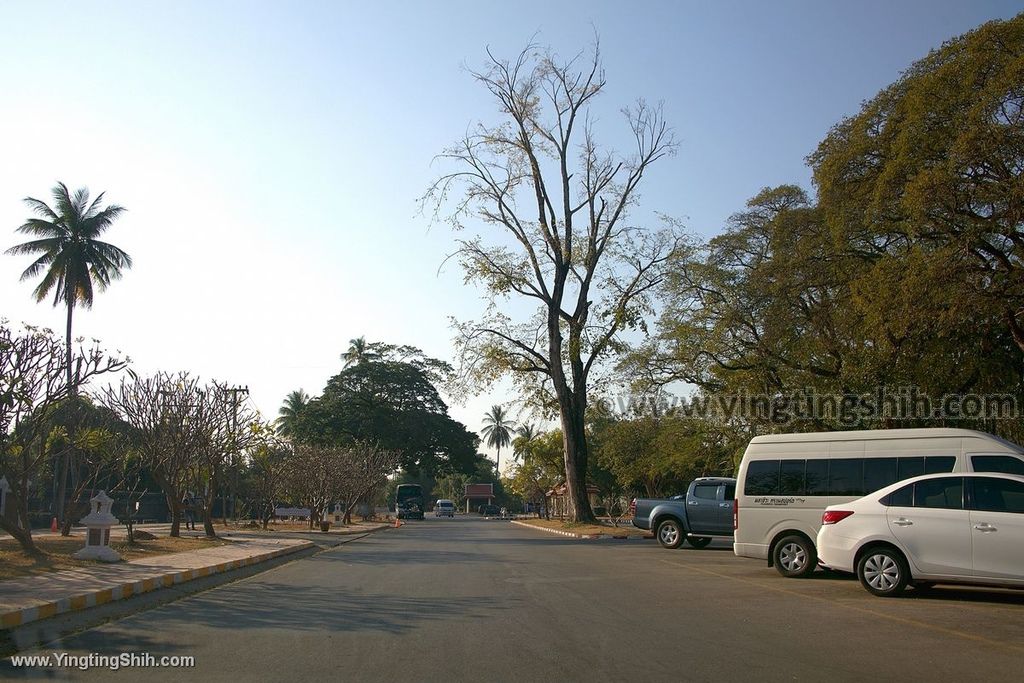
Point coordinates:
[(468, 599)]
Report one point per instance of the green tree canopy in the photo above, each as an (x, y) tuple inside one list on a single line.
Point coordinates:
[(394, 404)]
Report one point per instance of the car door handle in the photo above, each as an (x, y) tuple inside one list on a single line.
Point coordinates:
[(693, 502), (903, 522), (985, 527)]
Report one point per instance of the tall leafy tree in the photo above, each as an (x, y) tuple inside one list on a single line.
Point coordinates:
[(289, 411), (393, 404), (497, 431), (931, 168)]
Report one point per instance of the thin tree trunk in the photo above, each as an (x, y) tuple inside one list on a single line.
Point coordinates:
[(174, 503), (62, 475)]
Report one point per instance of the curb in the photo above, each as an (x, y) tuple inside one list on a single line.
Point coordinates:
[(25, 615), (583, 537)]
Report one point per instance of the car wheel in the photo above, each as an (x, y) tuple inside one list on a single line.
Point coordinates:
[(698, 542), (883, 572), (671, 534), (795, 557)]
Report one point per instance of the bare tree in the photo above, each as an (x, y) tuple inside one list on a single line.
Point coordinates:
[(161, 412), (33, 382), (364, 470), (557, 206), (222, 430)]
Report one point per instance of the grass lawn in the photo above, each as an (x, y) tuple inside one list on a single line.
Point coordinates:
[(14, 563), (606, 529)]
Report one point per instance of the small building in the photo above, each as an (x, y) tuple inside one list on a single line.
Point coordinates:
[(558, 501), (479, 494)]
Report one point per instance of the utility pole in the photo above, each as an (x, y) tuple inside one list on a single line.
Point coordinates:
[(235, 392)]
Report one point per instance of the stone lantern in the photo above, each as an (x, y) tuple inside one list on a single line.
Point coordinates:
[(98, 522)]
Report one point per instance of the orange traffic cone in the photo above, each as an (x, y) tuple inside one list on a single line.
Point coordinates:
[(53, 525)]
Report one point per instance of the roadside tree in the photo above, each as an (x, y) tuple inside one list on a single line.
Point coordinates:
[(560, 236)]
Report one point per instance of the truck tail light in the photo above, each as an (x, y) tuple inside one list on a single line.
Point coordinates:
[(632, 508), (735, 514), (835, 516)]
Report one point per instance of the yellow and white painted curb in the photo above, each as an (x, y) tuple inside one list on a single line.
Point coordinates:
[(24, 615)]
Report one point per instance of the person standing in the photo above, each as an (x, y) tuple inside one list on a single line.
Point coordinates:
[(189, 503)]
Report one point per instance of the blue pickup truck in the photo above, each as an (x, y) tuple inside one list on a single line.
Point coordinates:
[(703, 512)]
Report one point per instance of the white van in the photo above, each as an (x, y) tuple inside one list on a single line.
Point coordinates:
[(786, 481), (444, 508)]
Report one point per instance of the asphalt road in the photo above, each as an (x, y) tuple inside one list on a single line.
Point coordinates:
[(468, 599)]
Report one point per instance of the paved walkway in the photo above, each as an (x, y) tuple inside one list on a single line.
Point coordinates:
[(37, 597)]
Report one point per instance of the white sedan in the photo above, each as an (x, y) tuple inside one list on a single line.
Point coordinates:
[(938, 528)]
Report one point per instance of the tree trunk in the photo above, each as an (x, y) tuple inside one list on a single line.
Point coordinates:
[(208, 513), (62, 476), (22, 536), (174, 503), (574, 441)]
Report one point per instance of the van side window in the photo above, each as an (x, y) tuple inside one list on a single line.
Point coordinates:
[(947, 492), (816, 477), (910, 467), (998, 495), (1004, 464), (937, 464), (792, 478), (762, 478), (879, 473), (846, 477)]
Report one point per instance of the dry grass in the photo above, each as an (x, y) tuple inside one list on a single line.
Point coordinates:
[(355, 527), (57, 553), (603, 529)]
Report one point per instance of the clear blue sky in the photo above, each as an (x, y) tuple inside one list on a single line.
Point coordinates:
[(271, 154)]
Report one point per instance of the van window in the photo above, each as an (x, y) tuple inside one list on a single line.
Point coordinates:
[(846, 477), (792, 478), (947, 492), (910, 467), (998, 495), (762, 478), (1005, 464), (816, 477), (937, 464), (879, 473)]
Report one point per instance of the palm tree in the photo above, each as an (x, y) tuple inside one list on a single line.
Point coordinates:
[(525, 433), (71, 256), (497, 431), (288, 413), (358, 352), (72, 259)]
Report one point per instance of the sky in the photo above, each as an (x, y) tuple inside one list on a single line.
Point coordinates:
[(271, 155)]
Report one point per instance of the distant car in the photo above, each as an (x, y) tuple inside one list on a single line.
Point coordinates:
[(444, 508), (489, 510), (937, 528)]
